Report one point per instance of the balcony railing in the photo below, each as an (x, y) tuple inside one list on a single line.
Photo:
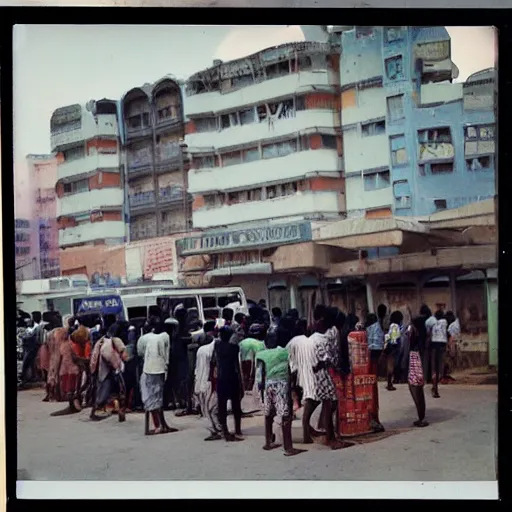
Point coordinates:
[(170, 194), (167, 122), (139, 131), (142, 200)]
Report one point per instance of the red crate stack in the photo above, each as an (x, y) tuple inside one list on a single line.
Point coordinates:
[(358, 353), (355, 400)]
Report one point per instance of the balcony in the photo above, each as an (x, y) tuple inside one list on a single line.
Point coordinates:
[(168, 123), (90, 200), (214, 102), (252, 133), (138, 167), (285, 168), (87, 164), (170, 195), (106, 127), (142, 201), (305, 203), (440, 93), (85, 233), (139, 132)]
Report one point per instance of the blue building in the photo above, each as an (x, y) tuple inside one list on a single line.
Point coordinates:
[(415, 141)]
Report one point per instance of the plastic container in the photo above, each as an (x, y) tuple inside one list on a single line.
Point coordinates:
[(355, 404), (358, 353)]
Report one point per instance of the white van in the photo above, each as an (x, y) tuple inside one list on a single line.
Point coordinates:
[(208, 302)]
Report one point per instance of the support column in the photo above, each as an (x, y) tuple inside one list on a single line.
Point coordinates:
[(293, 295), (492, 319), (453, 293), (369, 296)]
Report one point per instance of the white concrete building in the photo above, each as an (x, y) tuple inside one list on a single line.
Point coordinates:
[(264, 140), (89, 182)]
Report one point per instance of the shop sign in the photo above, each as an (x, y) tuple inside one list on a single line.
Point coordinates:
[(258, 237)]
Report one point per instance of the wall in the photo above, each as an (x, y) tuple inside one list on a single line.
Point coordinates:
[(368, 104), (358, 199), (88, 232), (90, 200), (364, 152), (296, 165), (88, 164), (361, 58), (251, 134), (91, 260), (306, 203), (213, 102)]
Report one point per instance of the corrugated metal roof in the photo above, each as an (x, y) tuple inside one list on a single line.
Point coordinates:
[(430, 34)]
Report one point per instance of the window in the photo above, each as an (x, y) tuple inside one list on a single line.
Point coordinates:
[(254, 194), (364, 32), (441, 168), (76, 186), (398, 151), (394, 68), (235, 197), (204, 162), (234, 119), (109, 150), (402, 193), (371, 129), (210, 200), (241, 81), (290, 188), (206, 124), (300, 103), (479, 140), (262, 112), (22, 237), (376, 180), (145, 119), (279, 69), (395, 106), (440, 204), (74, 153), (247, 116), (329, 141), (20, 223), (233, 158), (283, 109), (279, 149), (435, 136), (478, 163), (304, 63), (251, 155), (225, 121), (22, 251), (393, 34), (271, 192)]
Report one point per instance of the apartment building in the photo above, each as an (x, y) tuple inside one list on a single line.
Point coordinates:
[(415, 141), (155, 165), (42, 180), (25, 251), (89, 185), (263, 135)]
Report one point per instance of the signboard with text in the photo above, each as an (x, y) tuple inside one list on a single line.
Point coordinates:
[(264, 236)]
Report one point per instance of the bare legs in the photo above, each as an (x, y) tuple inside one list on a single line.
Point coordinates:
[(161, 426), (307, 431), (418, 395), (286, 425)]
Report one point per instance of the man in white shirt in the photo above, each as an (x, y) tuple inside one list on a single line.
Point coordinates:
[(154, 348), (439, 337), (302, 358), (203, 389)]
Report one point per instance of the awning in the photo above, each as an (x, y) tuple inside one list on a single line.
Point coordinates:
[(251, 269)]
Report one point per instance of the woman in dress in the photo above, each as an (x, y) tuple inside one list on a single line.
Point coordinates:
[(392, 345), (412, 364), (75, 353)]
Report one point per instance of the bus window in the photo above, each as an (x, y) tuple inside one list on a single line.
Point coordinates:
[(210, 309), (155, 311), (224, 300), (137, 312), (169, 304)]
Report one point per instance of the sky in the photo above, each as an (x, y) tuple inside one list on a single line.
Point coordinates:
[(58, 65)]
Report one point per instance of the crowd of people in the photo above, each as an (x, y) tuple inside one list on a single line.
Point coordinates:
[(166, 363)]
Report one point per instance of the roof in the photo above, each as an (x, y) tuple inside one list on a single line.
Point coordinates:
[(431, 34)]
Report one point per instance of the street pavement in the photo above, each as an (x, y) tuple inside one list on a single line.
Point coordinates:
[(459, 445)]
